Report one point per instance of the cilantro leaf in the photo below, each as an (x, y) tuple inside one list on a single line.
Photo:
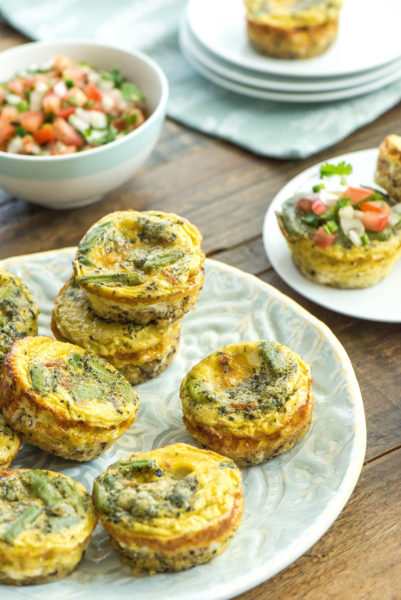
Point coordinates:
[(328, 169)]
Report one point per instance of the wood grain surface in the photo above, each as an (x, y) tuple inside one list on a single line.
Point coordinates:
[(226, 191)]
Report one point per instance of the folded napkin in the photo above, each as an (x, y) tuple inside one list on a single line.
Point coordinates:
[(273, 129)]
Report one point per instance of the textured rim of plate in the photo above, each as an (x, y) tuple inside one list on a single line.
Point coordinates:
[(271, 65), (351, 475), (272, 82), (289, 97), (309, 289)]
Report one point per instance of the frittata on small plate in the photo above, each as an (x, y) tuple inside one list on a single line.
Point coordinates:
[(140, 352), (65, 399), (141, 266), (292, 29), (341, 234), (10, 443), (388, 168), (46, 521), (18, 312), (250, 401), (169, 509)]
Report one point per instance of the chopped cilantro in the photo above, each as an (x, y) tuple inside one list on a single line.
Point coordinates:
[(364, 239), (130, 91), (131, 119), (90, 104), (311, 219), (328, 169), (331, 227), (114, 76), (19, 130), (318, 187), (22, 106), (68, 82), (343, 202)]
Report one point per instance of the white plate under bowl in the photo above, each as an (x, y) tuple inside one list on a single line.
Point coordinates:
[(289, 502), (368, 37), (271, 95), (276, 83), (380, 302)]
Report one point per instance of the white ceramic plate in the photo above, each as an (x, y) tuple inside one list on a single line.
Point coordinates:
[(291, 97), (380, 302), (368, 38), (289, 502), (276, 83)]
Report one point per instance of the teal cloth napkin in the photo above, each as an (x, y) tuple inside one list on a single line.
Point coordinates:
[(272, 129)]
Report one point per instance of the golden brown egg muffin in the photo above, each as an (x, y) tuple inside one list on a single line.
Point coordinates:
[(388, 168), (141, 266), (292, 29), (10, 443), (46, 521), (171, 508), (249, 401), (18, 312), (140, 352), (342, 264), (65, 399)]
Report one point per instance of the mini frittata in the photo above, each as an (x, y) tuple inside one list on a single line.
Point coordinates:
[(18, 312), (250, 401), (341, 234), (292, 29), (65, 399), (171, 508), (46, 521), (140, 352), (388, 168), (141, 266), (10, 443)]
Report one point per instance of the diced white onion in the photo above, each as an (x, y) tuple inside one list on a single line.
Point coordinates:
[(346, 212), (78, 123), (354, 237), (396, 208), (60, 89), (107, 103), (352, 224), (15, 145), (13, 99), (329, 198), (84, 115), (393, 218), (35, 149), (35, 101), (94, 77), (98, 120), (41, 87), (106, 85), (333, 183)]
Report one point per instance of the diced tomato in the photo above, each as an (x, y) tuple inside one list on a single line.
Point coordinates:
[(318, 206), (44, 135), (10, 114), (31, 121), (66, 112), (303, 203), (374, 221), (51, 103), (16, 86), (6, 131), (357, 194), (378, 206), (92, 92), (324, 239), (65, 133)]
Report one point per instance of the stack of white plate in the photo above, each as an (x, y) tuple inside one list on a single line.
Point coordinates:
[(365, 57)]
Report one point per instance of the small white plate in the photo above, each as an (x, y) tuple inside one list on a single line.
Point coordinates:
[(291, 97), (272, 82), (380, 302), (289, 502), (368, 37)]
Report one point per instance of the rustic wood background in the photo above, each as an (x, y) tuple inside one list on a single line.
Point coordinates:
[(225, 191)]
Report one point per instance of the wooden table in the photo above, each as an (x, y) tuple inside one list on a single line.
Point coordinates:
[(226, 192)]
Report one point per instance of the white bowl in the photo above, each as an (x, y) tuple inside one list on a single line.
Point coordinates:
[(73, 180)]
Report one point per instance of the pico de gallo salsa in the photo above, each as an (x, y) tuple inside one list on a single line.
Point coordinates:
[(62, 107), (335, 210)]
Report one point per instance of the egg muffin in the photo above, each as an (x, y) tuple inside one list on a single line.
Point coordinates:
[(341, 235), (388, 168), (250, 401), (10, 443), (46, 521), (140, 352), (292, 29), (171, 508), (141, 266), (65, 399), (18, 312)]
